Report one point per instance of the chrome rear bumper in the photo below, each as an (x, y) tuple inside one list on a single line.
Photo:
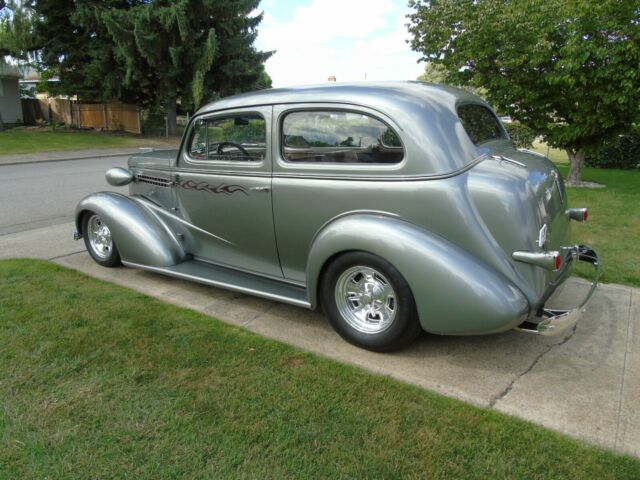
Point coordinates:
[(555, 322)]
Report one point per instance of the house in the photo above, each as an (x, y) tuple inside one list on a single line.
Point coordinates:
[(10, 106)]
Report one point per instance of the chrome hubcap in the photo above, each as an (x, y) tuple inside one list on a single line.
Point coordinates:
[(365, 299), (99, 237)]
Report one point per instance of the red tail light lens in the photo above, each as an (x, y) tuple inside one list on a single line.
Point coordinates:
[(585, 217), (558, 262)]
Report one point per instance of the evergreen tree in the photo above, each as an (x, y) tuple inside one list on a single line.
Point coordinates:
[(76, 47), (17, 37), (154, 53), (189, 50)]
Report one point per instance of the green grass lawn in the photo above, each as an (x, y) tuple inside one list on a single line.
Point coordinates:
[(98, 381), (613, 227), (20, 140), (555, 154)]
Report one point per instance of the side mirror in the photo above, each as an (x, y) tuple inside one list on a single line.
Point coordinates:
[(119, 177)]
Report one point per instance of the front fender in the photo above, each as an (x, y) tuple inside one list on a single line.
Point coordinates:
[(455, 293), (140, 235)]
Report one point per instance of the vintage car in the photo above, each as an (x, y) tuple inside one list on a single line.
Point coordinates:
[(396, 207)]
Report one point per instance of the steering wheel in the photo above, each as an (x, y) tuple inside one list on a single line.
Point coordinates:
[(237, 146)]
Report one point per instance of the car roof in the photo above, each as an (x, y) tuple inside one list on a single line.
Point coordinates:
[(376, 95), (425, 115)]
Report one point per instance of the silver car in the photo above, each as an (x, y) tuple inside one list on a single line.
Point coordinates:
[(396, 207)]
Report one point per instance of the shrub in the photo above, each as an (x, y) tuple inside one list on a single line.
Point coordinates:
[(521, 135), (621, 152)]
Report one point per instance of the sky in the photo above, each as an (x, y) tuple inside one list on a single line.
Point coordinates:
[(352, 40)]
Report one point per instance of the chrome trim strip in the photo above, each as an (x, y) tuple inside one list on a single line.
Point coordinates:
[(322, 176), (162, 211), (532, 152), (502, 158), (215, 283)]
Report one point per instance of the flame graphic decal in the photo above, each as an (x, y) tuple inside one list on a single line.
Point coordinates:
[(205, 187)]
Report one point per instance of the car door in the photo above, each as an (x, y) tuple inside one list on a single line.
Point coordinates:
[(223, 189)]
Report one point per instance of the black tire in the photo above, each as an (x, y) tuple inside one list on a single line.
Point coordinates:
[(400, 330), (109, 256)]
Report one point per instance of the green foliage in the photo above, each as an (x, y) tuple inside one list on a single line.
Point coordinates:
[(521, 135), (434, 73), (567, 69), (17, 36), (622, 152), (191, 50), (77, 49), (153, 53)]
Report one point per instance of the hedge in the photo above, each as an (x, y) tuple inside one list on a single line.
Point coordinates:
[(521, 135), (621, 152)]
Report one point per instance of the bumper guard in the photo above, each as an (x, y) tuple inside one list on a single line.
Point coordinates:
[(555, 322)]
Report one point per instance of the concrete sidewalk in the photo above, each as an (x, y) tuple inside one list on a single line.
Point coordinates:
[(585, 384), (63, 155)]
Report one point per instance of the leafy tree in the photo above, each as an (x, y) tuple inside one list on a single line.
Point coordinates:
[(567, 69), (188, 50), (434, 73)]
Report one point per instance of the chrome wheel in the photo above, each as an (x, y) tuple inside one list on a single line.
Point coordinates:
[(99, 237), (365, 299)]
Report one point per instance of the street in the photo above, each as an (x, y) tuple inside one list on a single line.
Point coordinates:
[(35, 195)]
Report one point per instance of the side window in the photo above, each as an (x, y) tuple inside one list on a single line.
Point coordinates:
[(480, 123), (239, 137), (338, 137)]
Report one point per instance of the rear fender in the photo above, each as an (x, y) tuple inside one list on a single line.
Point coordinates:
[(455, 293), (139, 234)]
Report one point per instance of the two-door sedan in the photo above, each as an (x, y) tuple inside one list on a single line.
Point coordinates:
[(396, 207)]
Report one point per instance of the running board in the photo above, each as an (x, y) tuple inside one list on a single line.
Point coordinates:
[(234, 280)]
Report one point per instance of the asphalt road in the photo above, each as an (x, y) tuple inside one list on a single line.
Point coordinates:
[(35, 195)]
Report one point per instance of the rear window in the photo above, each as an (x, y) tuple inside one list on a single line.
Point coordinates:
[(327, 136), (480, 123)]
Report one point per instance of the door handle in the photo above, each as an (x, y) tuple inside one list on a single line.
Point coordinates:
[(260, 189)]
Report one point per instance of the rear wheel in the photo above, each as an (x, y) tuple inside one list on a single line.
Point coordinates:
[(98, 240), (369, 303)]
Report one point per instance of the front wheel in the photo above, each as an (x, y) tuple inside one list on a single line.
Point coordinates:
[(369, 303), (98, 240)]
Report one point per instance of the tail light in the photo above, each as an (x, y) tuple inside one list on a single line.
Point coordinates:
[(548, 260), (579, 214)]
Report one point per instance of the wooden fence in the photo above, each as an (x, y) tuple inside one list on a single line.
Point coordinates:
[(119, 117), (111, 116)]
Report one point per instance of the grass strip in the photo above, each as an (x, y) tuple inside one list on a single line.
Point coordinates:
[(614, 222), (99, 381), (19, 140)]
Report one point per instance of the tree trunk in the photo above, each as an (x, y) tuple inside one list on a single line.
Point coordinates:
[(576, 163), (172, 127)]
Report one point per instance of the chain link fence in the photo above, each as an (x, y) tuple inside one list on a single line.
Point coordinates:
[(155, 124)]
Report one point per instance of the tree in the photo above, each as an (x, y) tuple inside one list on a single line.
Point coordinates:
[(569, 70), (434, 73), (155, 53), (188, 50), (76, 47), (17, 37)]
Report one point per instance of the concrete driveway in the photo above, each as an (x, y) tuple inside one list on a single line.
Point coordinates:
[(585, 384)]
